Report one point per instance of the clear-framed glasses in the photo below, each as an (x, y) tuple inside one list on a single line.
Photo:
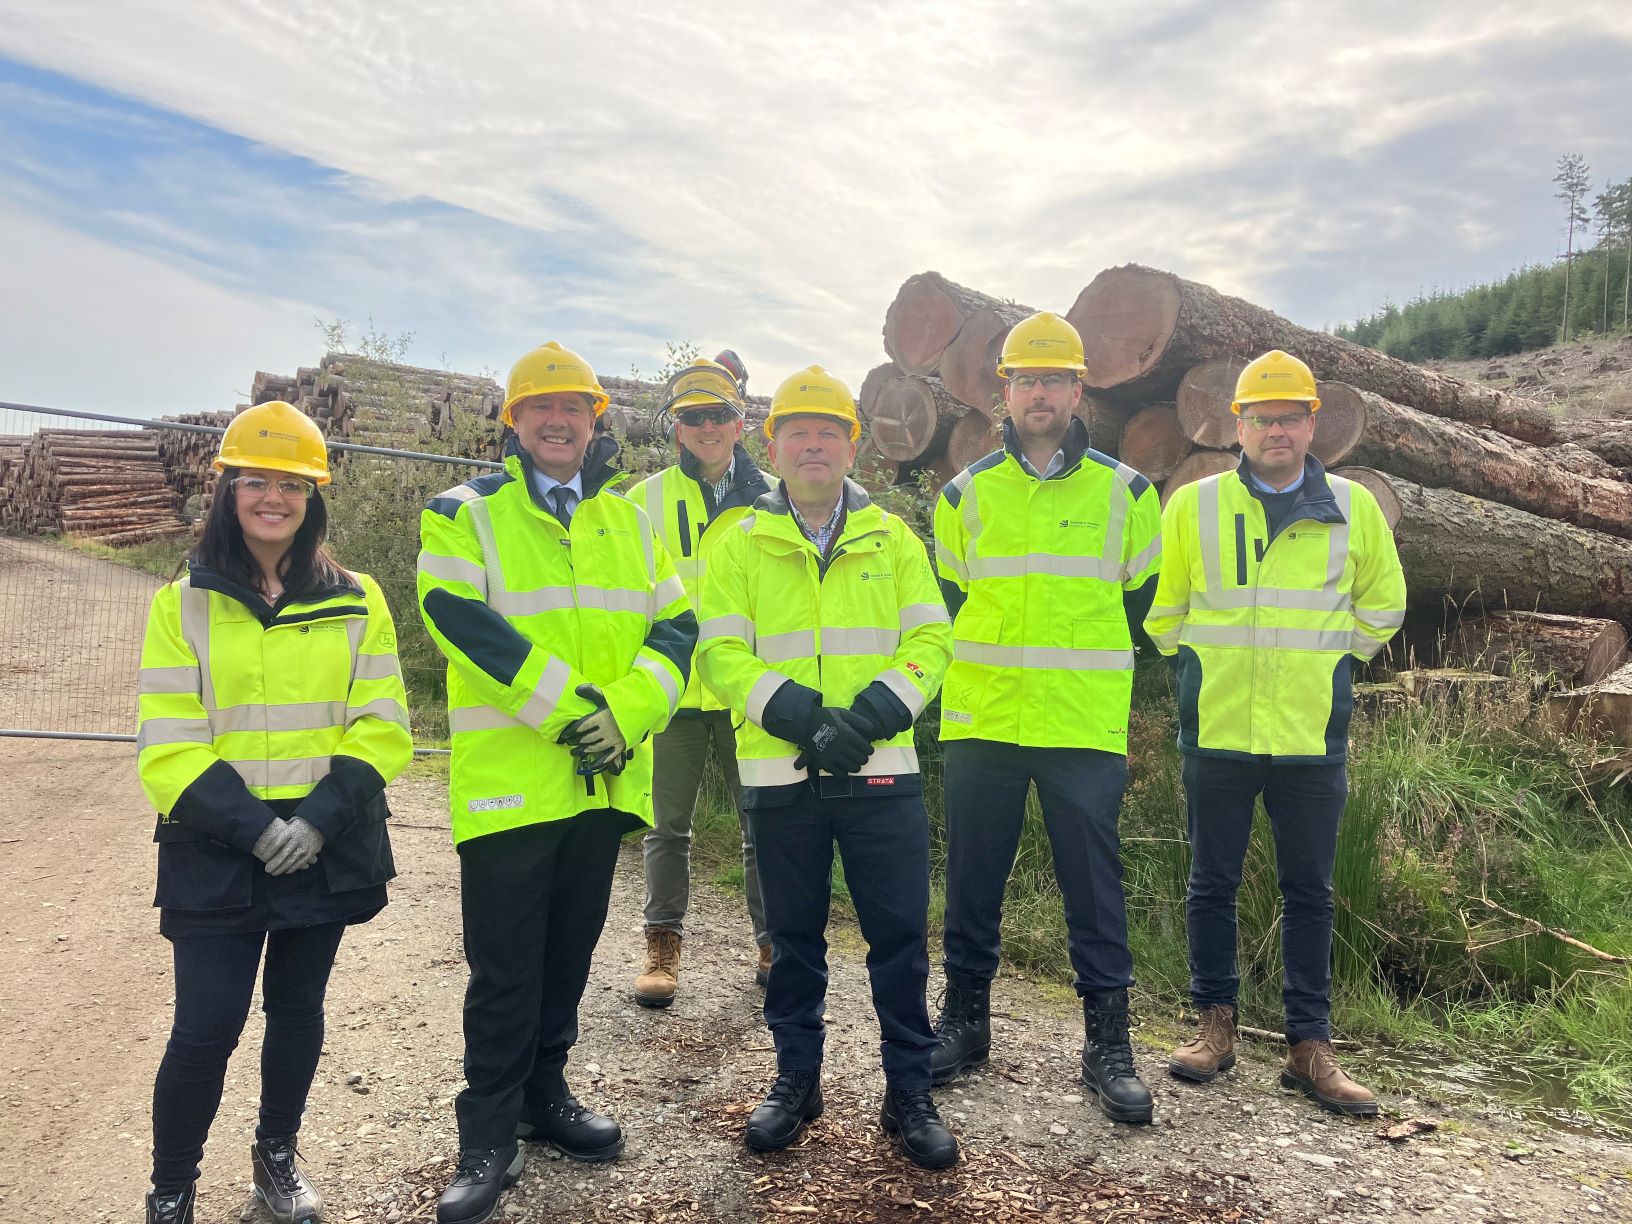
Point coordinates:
[(720, 415), (1050, 382), (1262, 424), (292, 487)]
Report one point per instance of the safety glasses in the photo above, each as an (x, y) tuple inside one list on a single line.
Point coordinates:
[(1262, 424), (1051, 382), (292, 487), (720, 415)]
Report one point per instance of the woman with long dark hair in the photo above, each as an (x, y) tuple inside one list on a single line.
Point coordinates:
[(272, 716)]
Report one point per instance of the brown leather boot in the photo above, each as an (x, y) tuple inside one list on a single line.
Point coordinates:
[(762, 971), (1311, 1068), (1211, 1050), (656, 986)]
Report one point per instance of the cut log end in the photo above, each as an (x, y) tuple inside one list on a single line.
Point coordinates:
[(1203, 401), (1152, 442), (1380, 486), (1340, 423), (1126, 316), (1198, 465)]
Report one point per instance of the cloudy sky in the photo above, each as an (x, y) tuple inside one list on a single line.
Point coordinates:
[(186, 187)]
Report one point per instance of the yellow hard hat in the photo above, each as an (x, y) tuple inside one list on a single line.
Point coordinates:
[(551, 368), (701, 383), (276, 436), (1042, 342), (1275, 376), (813, 392)]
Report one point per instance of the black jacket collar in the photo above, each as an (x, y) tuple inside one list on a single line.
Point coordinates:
[(748, 483), (776, 500), (1074, 444), (205, 578), (598, 469), (1315, 499)]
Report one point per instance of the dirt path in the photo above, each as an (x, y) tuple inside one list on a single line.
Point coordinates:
[(84, 1009)]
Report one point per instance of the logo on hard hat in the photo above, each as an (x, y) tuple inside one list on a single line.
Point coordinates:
[(551, 367), (263, 433)]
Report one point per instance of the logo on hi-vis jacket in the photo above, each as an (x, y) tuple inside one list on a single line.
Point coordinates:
[(913, 670), (876, 575)]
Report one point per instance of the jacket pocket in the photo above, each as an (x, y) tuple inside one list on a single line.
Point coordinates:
[(204, 876), (361, 858)]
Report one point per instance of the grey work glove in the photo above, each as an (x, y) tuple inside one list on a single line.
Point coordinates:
[(272, 840), (299, 850), (596, 734)]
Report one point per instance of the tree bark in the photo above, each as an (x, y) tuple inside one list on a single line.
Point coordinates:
[(1355, 427), (1203, 401), (1570, 650), (1198, 465), (912, 417), (1601, 709), (1152, 442), (926, 316), (969, 365), (1143, 329), (1105, 419), (1609, 439), (1486, 555), (1381, 485), (973, 437), (872, 384)]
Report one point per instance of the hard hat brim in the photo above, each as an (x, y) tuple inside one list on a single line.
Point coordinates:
[(775, 419), (294, 467), (598, 400)]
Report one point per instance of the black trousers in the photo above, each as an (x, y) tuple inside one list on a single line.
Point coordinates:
[(215, 980), (1305, 806), (534, 901), (884, 844), (1081, 794)]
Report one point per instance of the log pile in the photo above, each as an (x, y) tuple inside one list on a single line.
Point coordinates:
[(110, 486)]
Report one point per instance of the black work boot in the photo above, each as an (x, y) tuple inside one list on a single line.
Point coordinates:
[(483, 1174), (578, 1131), (1107, 1058), (173, 1208), (794, 1099), (919, 1132), (964, 1027), (281, 1185)]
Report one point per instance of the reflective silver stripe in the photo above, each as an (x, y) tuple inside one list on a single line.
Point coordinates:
[(689, 568), (914, 615), (1170, 609), (669, 590), (356, 626), (155, 732), (887, 761), (154, 680), (648, 541), (481, 718), (865, 640), (1045, 563), (1143, 558), (302, 771), (195, 627), (613, 599), (453, 569), (1271, 597), (664, 677), (459, 493), (481, 518), (388, 709), (547, 695), (780, 647), (1337, 554), (376, 667), (764, 689), (1266, 637), (1167, 640), (1117, 522), (947, 559), (1364, 646), (1207, 527), (910, 694), (294, 716), (726, 626), (1059, 658), (531, 603), (1380, 620)]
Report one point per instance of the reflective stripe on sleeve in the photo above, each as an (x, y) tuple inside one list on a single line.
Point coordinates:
[(376, 667), (914, 615), (546, 696), (764, 689), (946, 557), (910, 694), (156, 680), (664, 677), (157, 732), (726, 626), (387, 709), (453, 569)]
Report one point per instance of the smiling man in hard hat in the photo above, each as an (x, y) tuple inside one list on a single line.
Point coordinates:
[(713, 484), (823, 629), (1278, 578), (1047, 552), (569, 641)]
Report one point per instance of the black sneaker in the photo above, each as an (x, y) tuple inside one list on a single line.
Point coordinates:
[(483, 1174), (176, 1208), (794, 1099), (280, 1185)]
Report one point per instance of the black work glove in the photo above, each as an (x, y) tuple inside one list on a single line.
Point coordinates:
[(879, 713), (833, 741)]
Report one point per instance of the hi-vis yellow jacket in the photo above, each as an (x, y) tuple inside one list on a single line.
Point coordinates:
[(774, 612), (526, 611), (1265, 629), (682, 509), (241, 705), (1036, 572)]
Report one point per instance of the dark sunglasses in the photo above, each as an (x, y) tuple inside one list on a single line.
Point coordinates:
[(708, 416)]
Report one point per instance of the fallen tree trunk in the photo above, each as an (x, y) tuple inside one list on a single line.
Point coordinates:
[(1482, 553), (1152, 443), (1203, 401), (1602, 709), (1609, 439), (912, 416), (1143, 329), (1572, 650), (926, 316), (1355, 427)]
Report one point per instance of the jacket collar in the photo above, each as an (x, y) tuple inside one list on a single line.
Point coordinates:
[(206, 578), (1314, 500), (776, 501), (1074, 444), (598, 470), (776, 516), (748, 483)]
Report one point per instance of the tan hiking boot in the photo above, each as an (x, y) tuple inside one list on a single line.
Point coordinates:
[(1211, 1050), (656, 986), (762, 971), (1311, 1067)]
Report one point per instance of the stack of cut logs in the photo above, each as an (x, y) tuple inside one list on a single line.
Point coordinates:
[(1498, 504), (110, 486)]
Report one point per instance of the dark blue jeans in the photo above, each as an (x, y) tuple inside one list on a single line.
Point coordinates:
[(215, 979), (1305, 806), (884, 844), (1081, 794)]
